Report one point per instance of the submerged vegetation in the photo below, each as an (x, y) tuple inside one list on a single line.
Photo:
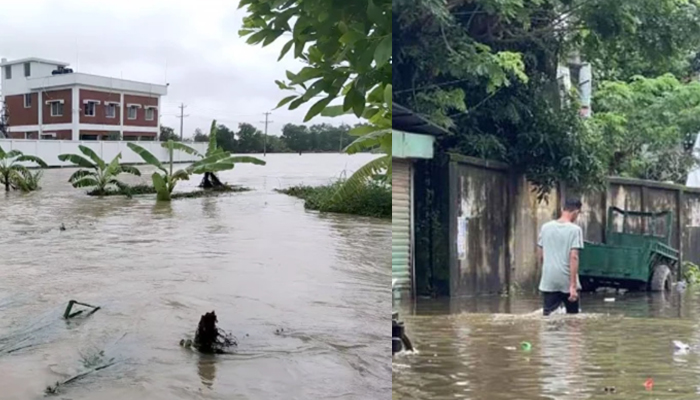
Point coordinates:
[(369, 199), (14, 175), (96, 173)]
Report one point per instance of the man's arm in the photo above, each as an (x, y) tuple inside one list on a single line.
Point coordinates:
[(573, 275), (540, 256)]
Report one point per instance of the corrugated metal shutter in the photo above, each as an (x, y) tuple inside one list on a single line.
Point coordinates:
[(401, 263)]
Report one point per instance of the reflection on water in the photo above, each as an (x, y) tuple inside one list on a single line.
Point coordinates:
[(207, 369), (257, 258), (470, 349)]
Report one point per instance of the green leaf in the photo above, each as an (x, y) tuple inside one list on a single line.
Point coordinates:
[(317, 108), (333, 111), (81, 173), (171, 144), (354, 100), (285, 49), (146, 156), (77, 161), (375, 13), (382, 53), (212, 146), (34, 159), (128, 169), (13, 154), (160, 186), (271, 37), (257, 37), (296, 103), (92, 155), (388, 93), (247, 160), (362, 175), (85, 182), (351, 37), (363, 130), (285, 101)]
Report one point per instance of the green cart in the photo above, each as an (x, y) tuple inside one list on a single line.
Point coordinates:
[(636, 255)]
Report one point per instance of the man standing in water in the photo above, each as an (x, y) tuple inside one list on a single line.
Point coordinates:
[(557, 251)]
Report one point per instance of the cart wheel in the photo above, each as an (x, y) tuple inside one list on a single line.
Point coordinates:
[(661, 280)]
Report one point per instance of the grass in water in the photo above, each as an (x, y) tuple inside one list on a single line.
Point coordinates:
[(148, 189), (371, 200)]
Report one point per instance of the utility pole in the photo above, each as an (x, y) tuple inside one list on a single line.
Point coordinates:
[(182, 116), (266, 122)]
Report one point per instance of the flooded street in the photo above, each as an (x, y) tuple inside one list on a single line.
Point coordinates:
[(257, 258), (471, 349)]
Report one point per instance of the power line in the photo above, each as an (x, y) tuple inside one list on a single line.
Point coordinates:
[(267, 121)]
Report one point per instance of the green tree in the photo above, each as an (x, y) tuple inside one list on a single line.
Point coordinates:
[(167, 133), (250, 139), (646, 128), (226, 139), (200, 136), (487, 70), (95, 172), (296, 137), (13, 174), (347, 46)]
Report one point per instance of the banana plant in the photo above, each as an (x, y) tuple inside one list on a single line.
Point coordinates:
[(210, 180), (95, 172), (13, 173), (164, 181)]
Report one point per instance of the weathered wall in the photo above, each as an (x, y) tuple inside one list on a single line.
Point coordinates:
[(504, 216), (479, 196)]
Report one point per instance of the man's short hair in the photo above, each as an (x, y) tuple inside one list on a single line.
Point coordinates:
[(572, 204)]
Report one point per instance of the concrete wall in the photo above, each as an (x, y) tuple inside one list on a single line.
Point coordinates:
[(48, 150), (504, 217)]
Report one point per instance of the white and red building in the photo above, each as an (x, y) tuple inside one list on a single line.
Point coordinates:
[(45, 100)]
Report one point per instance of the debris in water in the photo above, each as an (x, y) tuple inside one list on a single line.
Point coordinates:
[(680, 346), (649, 384), (680, 286), (610, 389), (510, 348), (526, 346), (609, 299), (62, 227), (53, 389), (209, 338), (67, 314)]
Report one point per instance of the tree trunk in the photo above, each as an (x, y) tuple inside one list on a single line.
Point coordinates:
[(210, 180)]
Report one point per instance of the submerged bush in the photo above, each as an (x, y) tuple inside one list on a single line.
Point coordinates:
[(370, 199), (149, 189)]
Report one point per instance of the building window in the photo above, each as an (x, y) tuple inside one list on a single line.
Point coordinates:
[(56, 109), (89, 108), (111, 111), (27, 100), (150, 114), (8, 72), (132, 112), (27, 69)]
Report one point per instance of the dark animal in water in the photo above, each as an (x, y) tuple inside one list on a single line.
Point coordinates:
[(209, 338)]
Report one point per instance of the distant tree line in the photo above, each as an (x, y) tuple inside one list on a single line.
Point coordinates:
[(319, 138)]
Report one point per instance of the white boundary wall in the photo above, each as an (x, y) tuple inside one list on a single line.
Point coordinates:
[(48, 150)]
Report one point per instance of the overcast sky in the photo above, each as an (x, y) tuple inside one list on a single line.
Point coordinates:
[(193, 45)]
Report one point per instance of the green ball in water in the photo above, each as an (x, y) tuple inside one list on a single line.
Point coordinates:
[(526, 346)]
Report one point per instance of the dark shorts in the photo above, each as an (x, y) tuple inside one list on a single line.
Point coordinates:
[(552, 301)]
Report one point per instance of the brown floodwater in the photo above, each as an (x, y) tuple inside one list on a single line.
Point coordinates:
[(471, 349), (305, 294)]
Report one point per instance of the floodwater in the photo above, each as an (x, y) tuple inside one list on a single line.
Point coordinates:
[(471, 349), (306, 295)]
